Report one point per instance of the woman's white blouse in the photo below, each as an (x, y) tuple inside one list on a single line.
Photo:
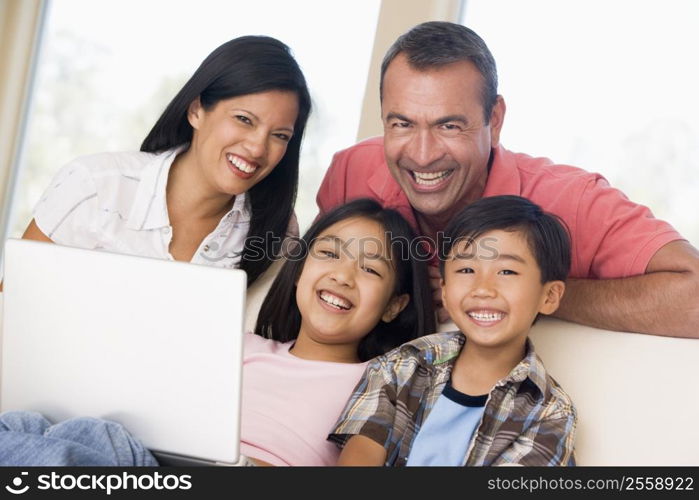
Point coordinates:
[(116, 202)]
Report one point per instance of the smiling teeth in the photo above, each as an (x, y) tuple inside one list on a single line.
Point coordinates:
[(486, 316), (430, 178), (241, 165), (335, 301)]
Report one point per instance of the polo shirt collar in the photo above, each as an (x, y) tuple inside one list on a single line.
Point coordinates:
[(387, 190), (149, 209), (503, 178), (384, 186)]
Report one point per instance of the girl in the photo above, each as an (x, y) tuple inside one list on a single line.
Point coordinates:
[(349, 292), (201, 187)]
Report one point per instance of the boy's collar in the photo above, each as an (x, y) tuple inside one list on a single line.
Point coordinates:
[(530, 367), (435, 349), (443, 347)]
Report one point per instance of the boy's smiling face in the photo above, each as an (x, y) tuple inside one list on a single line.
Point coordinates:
[(492, 289)]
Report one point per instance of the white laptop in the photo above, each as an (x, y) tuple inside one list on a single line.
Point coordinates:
[(154, 345)]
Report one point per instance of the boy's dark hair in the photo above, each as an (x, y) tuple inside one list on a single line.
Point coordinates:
[(242, 66), (546, 233), (280, 319)]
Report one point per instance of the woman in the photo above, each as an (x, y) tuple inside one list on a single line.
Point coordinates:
[(215, 181)]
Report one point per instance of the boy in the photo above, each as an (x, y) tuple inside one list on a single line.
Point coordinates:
[(480, 395)]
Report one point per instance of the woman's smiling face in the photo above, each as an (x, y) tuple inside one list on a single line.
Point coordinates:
[(238, 141)]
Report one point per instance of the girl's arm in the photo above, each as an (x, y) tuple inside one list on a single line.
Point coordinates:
[(361, 450)]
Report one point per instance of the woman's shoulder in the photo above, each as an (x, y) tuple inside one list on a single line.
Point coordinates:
[(112, 163), (92, 189)]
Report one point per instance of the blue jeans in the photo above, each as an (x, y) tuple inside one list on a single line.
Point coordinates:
[(28, 439)]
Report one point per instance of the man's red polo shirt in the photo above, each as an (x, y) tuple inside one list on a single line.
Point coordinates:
[(612, 237)]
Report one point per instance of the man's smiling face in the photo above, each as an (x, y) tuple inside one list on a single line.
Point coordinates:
[(436, 140)]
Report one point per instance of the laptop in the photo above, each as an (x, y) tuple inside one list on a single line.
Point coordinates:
[(152, 344)]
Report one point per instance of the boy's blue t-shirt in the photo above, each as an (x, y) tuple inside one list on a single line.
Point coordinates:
[(445, 435)]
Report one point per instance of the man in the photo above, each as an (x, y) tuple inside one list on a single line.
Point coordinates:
[(440, 152)]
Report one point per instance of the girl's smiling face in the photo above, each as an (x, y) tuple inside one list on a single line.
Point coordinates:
[(346, 287), (238, 141)]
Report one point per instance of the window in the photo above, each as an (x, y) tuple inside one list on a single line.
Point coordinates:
[(606, 86), (107, 70)]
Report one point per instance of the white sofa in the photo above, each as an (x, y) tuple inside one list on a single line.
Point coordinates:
[(636, 395)]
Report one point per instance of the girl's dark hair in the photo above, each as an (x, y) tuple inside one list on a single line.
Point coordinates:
[(245, 65), (280, 319), (546, 233)]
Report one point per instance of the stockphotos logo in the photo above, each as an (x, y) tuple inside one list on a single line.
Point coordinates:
[(102, 482), (16, 488)]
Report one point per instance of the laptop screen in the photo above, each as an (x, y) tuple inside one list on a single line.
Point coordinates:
[(154, 345)]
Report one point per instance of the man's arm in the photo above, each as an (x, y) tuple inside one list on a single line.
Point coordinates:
[(364, 451), (664, 301)]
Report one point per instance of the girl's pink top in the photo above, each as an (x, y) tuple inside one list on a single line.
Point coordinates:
[(291, 404)]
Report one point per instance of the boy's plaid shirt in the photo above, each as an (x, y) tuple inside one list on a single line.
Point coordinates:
[(528, 419)]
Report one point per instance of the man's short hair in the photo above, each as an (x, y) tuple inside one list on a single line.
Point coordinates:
[(546, 233), (436, 43)]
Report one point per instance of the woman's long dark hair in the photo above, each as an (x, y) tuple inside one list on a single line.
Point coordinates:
[(280, 319), (245, 65)]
